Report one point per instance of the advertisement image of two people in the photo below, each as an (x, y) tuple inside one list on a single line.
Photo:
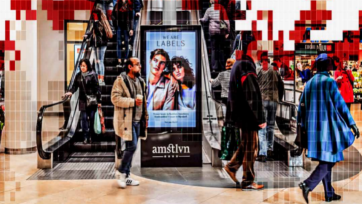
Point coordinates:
[(171, 79)]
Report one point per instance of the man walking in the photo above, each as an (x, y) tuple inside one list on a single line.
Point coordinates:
[(130, 115), (269, 81), (245, 110)]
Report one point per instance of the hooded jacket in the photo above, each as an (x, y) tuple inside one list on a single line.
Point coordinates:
[(124, 104), (245, 105)]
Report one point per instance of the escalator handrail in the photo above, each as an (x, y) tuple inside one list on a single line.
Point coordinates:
[(136, 44), (39, 139)]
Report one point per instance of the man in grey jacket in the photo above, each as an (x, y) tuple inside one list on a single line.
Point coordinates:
[(219, 29)]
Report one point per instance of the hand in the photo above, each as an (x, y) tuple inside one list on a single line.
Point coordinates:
[(340, 77), (355, 131), (138, 102), (131, 33), (211, 80), (227, 35), (85, 36), (138, 14), (99, 105), (68, 94), (146, 123), (262, 126)]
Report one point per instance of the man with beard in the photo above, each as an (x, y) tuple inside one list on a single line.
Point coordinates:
[(130, 116), (163, 88)]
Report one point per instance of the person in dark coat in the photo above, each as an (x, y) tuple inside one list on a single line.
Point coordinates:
[(138, 5), (245, 110), (122, 15), (87, 82), (324, 118)]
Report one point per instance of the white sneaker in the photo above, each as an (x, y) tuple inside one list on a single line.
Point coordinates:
[(131, 182), (121, 179)]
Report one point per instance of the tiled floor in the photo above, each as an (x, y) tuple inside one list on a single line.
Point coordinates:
[(18, 189), (16, 169)]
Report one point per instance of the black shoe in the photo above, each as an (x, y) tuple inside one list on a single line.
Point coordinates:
[(85, 141), (305, 191), (261, 158), (334, 197), (270, 155)]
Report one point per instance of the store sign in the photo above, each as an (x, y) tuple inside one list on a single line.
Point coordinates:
[(171, 150), (316, 47)]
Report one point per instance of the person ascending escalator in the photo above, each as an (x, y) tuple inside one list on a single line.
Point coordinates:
[(122, 15), (89, 97)]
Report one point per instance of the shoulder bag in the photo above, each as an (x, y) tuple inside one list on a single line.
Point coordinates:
[(91, 99)]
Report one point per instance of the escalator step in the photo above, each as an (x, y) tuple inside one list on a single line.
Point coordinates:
[(113, 70), (109, 79), (106, 100), (94, 147), (107, 89), (110, 53), (92, 155), (108, 111), (110, 61)]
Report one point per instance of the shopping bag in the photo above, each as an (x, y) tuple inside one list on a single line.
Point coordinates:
[(97, 124), (101, 117), (230, 141)]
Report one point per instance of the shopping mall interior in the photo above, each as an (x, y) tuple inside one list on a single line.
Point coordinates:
[(42, 153)]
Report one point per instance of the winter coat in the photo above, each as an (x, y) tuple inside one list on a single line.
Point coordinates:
[(306, 75), (124, 104), (223, 79), (245, 104), (214, 16), (123, 18), (344, 85), (97, 34), (326, 119), (91, 86)]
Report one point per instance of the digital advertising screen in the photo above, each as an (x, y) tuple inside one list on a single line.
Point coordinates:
[(171, 58)]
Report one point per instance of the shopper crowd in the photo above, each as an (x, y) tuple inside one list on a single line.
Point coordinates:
[(251, 92)]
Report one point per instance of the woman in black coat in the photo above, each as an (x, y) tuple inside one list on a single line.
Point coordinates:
[(87, 82)]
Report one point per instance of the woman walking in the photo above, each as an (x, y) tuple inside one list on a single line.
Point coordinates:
[(326, 122), (183, 73), (122, 15), (87, 82)]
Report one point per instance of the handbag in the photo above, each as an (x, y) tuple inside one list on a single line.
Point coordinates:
[(101, 117), (91, 99), (107, 27), (230, 141), (97, 124), (223, 28)]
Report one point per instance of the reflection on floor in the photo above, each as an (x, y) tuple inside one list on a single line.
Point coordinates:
[(273, 174)]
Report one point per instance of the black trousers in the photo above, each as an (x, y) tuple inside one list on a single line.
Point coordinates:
[(217, 52), (323, 172)]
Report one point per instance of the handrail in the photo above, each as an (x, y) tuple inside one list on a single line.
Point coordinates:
[(136, 44), (205, 66), (45, 154)]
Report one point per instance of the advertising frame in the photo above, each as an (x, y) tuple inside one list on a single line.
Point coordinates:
[(144, 61)]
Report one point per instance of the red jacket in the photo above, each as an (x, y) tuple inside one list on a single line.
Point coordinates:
[(344, 85)]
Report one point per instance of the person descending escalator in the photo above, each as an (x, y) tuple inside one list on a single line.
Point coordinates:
[(89, 97), (219, 29), (99, 38), (138, 5), (122, 15)]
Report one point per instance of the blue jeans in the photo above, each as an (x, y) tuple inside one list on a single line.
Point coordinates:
[(86, 128), (100, 52), (266, 135), (131, 147), (121, 32), (135, 23)]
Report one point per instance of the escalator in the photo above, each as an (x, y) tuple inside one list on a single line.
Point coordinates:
[(67, 146)]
